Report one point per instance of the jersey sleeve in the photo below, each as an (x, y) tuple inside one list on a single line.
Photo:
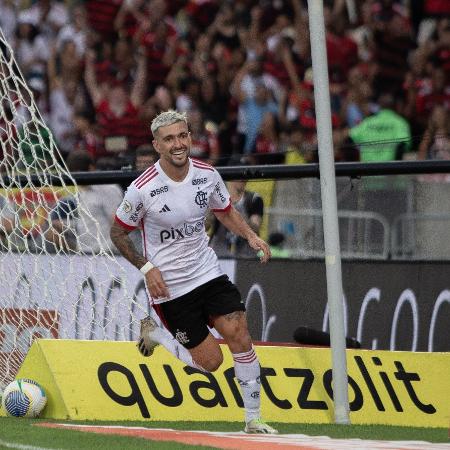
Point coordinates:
[(131, 210), (220, 197)]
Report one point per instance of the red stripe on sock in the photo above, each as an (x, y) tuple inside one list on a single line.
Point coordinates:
[(246, 358)]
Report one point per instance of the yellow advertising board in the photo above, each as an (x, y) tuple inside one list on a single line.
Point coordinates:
[(112, 381)]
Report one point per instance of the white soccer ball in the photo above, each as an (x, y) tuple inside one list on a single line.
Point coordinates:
[(23, 398)]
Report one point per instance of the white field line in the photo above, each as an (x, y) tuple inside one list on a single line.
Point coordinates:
[(319, 442), (23, 446)]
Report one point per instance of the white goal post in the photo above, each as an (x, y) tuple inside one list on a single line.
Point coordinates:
[(60, 278)]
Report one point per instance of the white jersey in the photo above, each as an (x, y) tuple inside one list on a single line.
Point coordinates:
[(171, 216)]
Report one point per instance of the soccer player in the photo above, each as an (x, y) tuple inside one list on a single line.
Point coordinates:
[(185, 283)]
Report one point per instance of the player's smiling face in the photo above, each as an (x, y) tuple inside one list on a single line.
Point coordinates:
[(173, 143)]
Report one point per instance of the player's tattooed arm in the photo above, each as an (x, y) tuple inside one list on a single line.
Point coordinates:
[(119, 237)]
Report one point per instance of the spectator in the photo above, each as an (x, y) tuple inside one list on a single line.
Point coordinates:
[(161, 100), (75, 31), (425, 15), (223, 29), (146, 155), (215, 107), (200, 14), (254, 76), (103, 60), (300, 109), (252, 107), (123, 62), (187, 97), (8, 18), (362, 34), (357, 104), (392, 40), (385, 136), (101, 16), (34, 137), (298, 151), (251, 206), (108, 163), (437, 93), (435, 143), (81, 222), (120, 127), (276, 243), (202, 63), (30, 47), (213, 103), (342, 50), (128, 18), (205, 144), (437, 42), (67, 103), (195, 51), (279, 58), (157, 35), (51, 15), (267, 144), (68, 64)]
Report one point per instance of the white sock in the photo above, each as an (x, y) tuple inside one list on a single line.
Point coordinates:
[(248, 375), (163, 336)]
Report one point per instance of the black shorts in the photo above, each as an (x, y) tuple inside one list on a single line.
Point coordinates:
[(187, 317)]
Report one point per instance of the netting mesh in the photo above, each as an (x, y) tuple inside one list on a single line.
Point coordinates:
[(60, 278)]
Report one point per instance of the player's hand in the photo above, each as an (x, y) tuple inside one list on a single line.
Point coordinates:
[(260, 245), (156, 284)]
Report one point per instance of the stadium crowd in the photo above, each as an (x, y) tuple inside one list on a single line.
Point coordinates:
[(100, 70)]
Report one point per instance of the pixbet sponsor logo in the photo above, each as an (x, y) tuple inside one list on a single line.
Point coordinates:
[(182, 232)]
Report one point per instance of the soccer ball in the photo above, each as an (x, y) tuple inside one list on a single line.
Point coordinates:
[(23, 398)]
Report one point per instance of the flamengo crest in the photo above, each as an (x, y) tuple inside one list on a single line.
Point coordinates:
[(181, 337), (201, 199)]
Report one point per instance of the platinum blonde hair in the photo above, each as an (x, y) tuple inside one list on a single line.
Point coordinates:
[(167, 118)]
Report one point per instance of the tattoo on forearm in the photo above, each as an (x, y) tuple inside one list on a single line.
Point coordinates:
[(122, 241)]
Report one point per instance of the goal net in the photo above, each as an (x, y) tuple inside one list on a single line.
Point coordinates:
[(60, 277)]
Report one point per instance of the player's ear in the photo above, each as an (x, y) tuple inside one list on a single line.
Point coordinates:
[(155, 144)]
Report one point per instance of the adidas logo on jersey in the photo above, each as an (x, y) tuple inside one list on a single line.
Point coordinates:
[(165, 208)]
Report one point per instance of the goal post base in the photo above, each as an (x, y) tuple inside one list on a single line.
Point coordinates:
[(110, 380)]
